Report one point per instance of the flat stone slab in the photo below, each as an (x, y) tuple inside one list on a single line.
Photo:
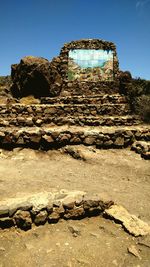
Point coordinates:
[(130, 222)]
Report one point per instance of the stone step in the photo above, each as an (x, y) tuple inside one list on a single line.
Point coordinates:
[(64, 110), (95, 99), (69, 120), (53, 137)]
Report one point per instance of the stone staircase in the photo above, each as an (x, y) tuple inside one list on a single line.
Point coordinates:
[(97, 110), (104, 121)]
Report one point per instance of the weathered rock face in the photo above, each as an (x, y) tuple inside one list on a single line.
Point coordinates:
[(35, 76)]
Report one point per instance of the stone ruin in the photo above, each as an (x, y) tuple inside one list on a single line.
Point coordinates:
[(81, 87), (78, 100), (40, 77)]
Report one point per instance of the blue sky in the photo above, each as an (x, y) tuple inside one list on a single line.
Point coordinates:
[(41, 27)]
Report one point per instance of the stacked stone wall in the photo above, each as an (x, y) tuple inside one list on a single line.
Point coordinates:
[(57, 137), (76, 87)]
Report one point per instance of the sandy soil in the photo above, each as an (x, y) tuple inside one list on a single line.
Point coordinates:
[(99, 243), (121, 174)]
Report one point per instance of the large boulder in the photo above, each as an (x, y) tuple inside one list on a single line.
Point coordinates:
[(35, 76)]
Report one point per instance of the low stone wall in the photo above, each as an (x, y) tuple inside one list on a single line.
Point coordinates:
[(50, 207), (42, 207), (22, 121), (58, 136)]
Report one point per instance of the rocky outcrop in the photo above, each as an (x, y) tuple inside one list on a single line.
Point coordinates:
[(35, 76)]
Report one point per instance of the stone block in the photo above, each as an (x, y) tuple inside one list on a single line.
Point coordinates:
[(89, 140), (53, 217), (48, 138), (23, 219), (119, 142), (41, 217), (75, 213)]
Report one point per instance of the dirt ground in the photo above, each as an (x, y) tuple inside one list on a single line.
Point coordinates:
[(120, 174), (99, 243)]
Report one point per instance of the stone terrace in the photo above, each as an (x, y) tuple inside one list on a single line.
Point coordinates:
[(105, 121), (98, 110), (72, 111)]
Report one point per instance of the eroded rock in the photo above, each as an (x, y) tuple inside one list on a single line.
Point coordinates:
[(134, 251), (130, 222), (35, 76)]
